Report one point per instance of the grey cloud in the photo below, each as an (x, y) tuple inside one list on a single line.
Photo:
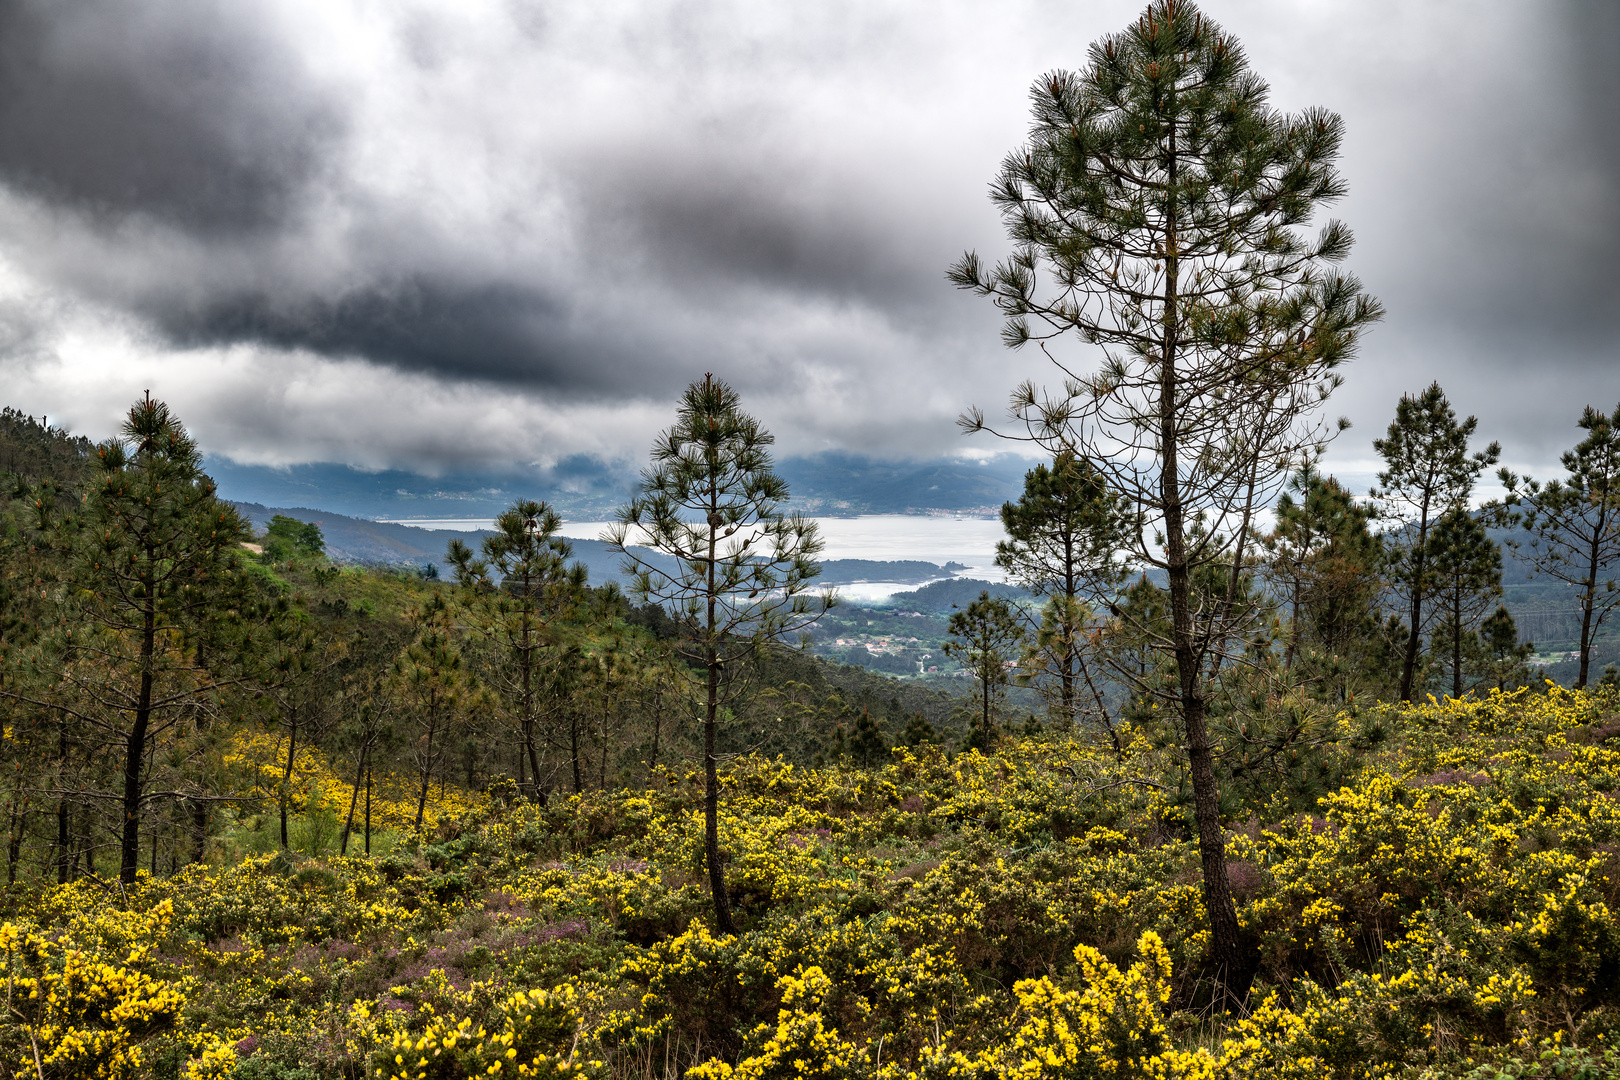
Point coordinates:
[(495, 331), (706, 220), (597, 207), (187, 111)]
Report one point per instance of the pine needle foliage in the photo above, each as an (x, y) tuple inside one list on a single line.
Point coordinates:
[(1575, 523), (742, 568), (157, 555), (1158, 213), (1427, 471)]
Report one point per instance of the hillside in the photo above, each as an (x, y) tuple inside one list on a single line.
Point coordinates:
[(1448, 910), (357, 541), (588, 488)]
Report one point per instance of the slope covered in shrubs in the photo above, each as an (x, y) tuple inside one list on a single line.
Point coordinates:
[(1035, 913)]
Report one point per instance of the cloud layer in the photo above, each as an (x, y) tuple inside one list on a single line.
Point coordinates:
[(430, 234)]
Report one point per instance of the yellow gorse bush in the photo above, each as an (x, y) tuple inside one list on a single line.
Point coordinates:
[(1029, 915), (80, 1013)]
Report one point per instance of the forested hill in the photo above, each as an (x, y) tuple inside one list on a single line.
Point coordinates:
[(355, 540), (587, 488)]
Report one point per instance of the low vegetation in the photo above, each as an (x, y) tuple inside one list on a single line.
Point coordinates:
[(1032, 912)]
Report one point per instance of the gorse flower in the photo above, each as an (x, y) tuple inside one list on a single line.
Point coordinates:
[(1028, 915)]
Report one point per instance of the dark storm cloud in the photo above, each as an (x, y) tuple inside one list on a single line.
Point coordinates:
[(599, 204), (1532, 196), (185, 111), (1587, 283), (712, 222), (497, 331)]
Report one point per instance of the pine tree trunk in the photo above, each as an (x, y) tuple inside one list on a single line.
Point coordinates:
[(1588, 602), (286, 773), (1068, 690), (63, 864), (1231, 970), (1409, 663), (63, 815), (711, 772), (427, 763), (1456, 644), (354, 797), (19, 819), (711, 806), (135, 745), (573, 749)]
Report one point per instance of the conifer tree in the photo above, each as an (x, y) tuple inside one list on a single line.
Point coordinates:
[(1063, 533), (739, 569), (157, 558), (432, 683), (1504, 655), (1428, 471), (1326, 565), (985, 638), (537, 588), (1157, 214), (1574, 523), (1465, 565)]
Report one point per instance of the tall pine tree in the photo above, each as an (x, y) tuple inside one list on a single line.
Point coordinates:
[(156, 561), (738, 572), (1063, 533), (1157, 214), (1427, 471), (1465, 567), (1574, 523)]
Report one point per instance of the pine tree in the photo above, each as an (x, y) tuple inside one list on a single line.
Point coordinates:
[(1063, 533), (1465, 567), (1428, 471), (434, 688), (1504, 657), (537, 589), (157, 558), (985, 637), (1325, 563), (741, 569), (1157, 214), (1575, 523)]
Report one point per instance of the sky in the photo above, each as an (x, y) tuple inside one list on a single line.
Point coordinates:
[(474, 233)]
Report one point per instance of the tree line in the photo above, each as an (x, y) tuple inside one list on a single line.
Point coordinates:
[(145, 628)]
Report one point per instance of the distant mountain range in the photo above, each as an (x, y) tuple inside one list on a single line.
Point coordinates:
[(354, 540), (832, 483)]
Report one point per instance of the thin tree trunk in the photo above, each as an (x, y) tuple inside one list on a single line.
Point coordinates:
[(1231, 972), (1456, 644), (711, 773), (657, 719), (19, 819), (1588, 602), (427, 764), (135, 746), (63, 814), (528, 704), (199, 830), (573, 749), (286, 772), (1071, 652), (63, 857), (354, 796), (1409, 664), (711, 805), (368, 808)]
